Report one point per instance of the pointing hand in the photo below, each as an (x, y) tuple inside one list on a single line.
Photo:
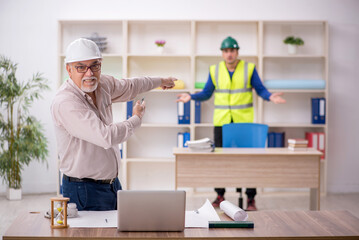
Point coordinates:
[(167, 83)]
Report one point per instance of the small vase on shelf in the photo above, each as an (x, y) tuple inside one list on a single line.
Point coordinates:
[(293, 43), (292, 49), (160, 50), (160, 46)]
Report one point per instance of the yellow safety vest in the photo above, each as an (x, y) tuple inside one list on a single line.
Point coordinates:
[(233, 99)]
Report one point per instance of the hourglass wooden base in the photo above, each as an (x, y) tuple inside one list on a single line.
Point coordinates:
[(61, 217)]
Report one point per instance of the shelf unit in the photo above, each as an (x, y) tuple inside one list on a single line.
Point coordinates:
[(191, 47)]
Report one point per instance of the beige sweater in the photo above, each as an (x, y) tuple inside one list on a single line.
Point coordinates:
[(87, 138)]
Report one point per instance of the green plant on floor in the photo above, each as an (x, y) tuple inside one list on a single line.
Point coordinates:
[(294, 41), (21, 135)]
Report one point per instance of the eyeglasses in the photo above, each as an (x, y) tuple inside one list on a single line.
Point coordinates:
[(83, 68)]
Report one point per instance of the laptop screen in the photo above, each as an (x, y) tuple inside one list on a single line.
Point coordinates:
[(151, 210)]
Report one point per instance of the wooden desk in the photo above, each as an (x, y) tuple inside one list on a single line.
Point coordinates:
[(251, 168), (267, 224)]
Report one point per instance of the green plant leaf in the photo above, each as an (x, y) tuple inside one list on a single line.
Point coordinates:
[(22, 136), (292, 40)]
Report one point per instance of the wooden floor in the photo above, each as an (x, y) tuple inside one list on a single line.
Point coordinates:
[(265, 201)]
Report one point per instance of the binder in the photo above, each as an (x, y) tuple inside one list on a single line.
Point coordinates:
[(187, 112), (316, 140), (276, 139), (129, 109), (186, 137), (318, 110), (60, 181), (182, 138), (184, 112), (279, 139), (312, 138), (270, 139), (197, 111), (120, 146)]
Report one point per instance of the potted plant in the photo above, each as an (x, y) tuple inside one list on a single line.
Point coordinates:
[(293, 43), (21, 135), (160, 45)]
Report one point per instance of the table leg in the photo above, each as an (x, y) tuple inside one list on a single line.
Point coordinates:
[(314, 196)]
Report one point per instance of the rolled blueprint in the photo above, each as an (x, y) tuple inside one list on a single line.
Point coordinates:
[(232, 211)]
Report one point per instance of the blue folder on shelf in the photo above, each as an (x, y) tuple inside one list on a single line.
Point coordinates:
[(318, 110), (120, 146), (186, 137), (182, 138), (129, 109), (184, 112), (197, 112), (294, 84), (276, 139), (60, 181)]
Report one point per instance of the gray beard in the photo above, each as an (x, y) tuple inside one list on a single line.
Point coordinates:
[(88, 89)]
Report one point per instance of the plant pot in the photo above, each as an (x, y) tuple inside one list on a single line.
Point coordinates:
[(160, 49), (292, 49), (13, 194)]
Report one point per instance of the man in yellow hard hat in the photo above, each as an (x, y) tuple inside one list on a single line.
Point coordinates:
[(232, 81)]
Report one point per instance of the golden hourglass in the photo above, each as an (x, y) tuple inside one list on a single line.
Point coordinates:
[(60, 220)]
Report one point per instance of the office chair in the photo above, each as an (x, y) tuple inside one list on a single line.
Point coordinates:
[(244, 135)]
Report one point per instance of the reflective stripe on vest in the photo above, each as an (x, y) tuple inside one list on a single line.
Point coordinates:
[(234, 107), (233, 98)]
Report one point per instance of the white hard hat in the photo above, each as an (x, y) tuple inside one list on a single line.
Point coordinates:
[(81, 50)]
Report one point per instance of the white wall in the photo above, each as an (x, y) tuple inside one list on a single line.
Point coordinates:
[(28, 34)]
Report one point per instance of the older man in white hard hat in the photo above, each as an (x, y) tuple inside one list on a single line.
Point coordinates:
[(87, 137)]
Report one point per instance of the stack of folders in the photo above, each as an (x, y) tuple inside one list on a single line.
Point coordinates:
[(297, 144), (201, 145)]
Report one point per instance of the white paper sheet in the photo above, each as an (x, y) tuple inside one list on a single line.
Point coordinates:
[(94, 219), (200, 218), (232, 211), (97, 219)]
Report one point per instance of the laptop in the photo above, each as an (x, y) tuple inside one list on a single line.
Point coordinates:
[(151, 210)]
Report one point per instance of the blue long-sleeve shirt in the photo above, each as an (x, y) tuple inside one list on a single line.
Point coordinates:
[(208, 89)]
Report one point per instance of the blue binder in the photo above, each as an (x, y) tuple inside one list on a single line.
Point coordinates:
[(197, 112), (184, 112), (120, 146), (270, 140), (318, 110), (129, 109), (60, 182), (186, 137), (276, 139), (182, 138)]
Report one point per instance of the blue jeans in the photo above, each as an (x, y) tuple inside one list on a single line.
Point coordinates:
[(92, 196)]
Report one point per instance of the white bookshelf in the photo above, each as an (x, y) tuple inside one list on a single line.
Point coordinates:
[(191, 47), (310, 63)]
